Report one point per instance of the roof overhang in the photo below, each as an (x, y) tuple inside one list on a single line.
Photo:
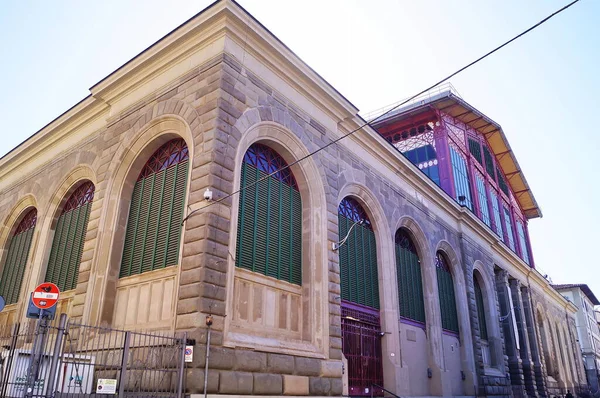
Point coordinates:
[(584, 288), (451, 104)]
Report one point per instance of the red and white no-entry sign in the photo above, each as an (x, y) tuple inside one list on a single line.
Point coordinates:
[(45, 295)]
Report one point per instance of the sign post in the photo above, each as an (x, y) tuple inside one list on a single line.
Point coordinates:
[(44, 297)]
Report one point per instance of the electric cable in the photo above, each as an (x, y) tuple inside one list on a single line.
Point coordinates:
[(368, 123)]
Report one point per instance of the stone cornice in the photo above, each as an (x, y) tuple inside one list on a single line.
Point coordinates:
[(174, 53), (63, 127)]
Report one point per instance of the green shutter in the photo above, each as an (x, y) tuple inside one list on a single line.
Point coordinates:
[(269, 236), (153, 232), (358, 264), (447, 300), (14, 266), (475, 149), (410, 285), (67, 248), (480, 311)]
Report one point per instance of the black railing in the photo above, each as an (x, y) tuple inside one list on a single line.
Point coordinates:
[(380, 387)]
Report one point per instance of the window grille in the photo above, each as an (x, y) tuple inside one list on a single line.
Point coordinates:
[(502, 183), (67, 245), (523, 242), (475, 149), (483, 200), (269, 239), (489, 162), (410, 283), (496, 212), (153, 232), (16, 258), (425, 158), (510, 238), (461, 179), (358, 256), (446, 294)]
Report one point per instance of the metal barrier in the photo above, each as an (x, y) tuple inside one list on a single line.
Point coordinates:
[(70, 359)]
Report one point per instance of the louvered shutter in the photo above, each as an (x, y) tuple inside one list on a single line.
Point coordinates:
[(480, 311), (359, 281), (446, 295), (16, 258), (410, 284), (69, 237), (269, 235), (153, 232)]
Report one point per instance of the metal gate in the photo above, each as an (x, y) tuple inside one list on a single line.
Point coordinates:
[(361, 342), (70, 359)]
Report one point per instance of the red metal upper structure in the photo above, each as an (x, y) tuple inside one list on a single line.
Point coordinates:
[(467, 155)]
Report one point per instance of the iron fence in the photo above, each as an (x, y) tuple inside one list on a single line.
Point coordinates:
[(71, 359)]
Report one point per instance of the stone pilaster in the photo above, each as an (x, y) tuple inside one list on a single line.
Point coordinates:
[(534, 348), (515, 366), (524, 351)]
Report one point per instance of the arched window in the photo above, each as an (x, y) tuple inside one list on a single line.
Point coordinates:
[(67, 246), (156, 211), (483, 332), (446, 293), (16, 258), (481, 316), (358, 255), (269, 239), (410, 283), (544, 336)]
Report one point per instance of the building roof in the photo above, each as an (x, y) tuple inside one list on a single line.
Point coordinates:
[(446, 99), (585, 288)]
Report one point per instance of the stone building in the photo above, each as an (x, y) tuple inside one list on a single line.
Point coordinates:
[(350, 270), (588, 333)]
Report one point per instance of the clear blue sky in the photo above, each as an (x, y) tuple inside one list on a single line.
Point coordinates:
[(542, 89)]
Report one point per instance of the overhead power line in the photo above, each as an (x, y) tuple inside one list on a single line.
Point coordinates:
[(335, 141)]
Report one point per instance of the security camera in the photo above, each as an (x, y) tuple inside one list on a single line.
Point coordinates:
[(208, 195)]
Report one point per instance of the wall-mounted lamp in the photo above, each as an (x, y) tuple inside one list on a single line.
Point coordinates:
[(336, 246), (429, 373), (208, 194)]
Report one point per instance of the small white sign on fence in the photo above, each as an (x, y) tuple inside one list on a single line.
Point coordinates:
[(106, 386), (189, 353)]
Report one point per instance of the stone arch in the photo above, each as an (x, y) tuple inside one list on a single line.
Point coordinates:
[(253, 116), (70, 182), (314, 219), (421, 242), (15, 216), (455, 263), (544, 335), (388, 287), (564, 343), (487, 285), (115, 191), (52, 211), (462, 309), (559, 356)]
